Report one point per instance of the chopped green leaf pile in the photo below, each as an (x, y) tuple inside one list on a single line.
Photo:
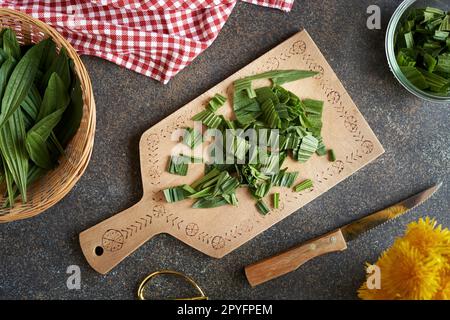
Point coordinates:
[(41, 109), (292, 127), (422, 48)]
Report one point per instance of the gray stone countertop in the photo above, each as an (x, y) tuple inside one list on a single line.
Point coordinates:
[(35, 253)]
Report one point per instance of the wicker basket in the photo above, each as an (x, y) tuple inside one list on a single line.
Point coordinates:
[(57, 183)]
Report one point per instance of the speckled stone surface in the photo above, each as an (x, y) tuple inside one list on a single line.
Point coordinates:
[(35, 253)]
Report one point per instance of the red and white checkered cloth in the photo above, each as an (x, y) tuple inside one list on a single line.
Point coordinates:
[(157, 38)]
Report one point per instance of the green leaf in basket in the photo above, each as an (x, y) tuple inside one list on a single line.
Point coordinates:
[(2, 32), (32, 103), (34, 173), (12, 137), (3, 56), (9, 185), (11, 45), (60, 65), (55, 97), (48, 54), (5, 73), (20, 83), (37, 136), (71, 118)]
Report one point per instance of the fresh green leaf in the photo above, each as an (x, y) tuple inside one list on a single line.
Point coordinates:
[(284, 179), (444, 64), (208, 118), (306, 149), (60, 66), (37, 136), (175, 194), (415, 77), (210, 202), (5, 73), (331, 155), (11, 45), (422, 49), (276, 200), (12, 137), (270, 115), (20, 83), (178, 165), (71, 119), (216, 102), (246, 109), (304, 185), (207, 177), (262, 207), (55, 97), (192, 138)]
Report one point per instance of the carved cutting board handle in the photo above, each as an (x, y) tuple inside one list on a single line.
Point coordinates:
[(106, 244)]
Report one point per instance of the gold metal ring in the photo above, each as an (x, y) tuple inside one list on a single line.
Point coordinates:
[(144, 282)]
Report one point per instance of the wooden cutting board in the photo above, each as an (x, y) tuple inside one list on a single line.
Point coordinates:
[(219, 231)]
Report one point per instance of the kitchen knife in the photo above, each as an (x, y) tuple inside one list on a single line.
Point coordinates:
[(336, 240)]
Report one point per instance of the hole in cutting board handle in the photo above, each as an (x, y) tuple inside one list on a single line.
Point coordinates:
[(98, 251)]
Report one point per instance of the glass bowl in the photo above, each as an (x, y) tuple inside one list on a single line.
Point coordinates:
[(395, 22)]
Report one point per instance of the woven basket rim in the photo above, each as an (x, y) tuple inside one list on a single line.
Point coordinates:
[(89, 115)]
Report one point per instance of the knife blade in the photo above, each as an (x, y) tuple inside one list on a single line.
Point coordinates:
[(278, 265)]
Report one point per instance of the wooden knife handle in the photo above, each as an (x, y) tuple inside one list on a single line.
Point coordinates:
[(112, 240), (290, 260)]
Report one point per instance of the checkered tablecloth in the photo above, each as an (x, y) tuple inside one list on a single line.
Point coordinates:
[(157, 38)]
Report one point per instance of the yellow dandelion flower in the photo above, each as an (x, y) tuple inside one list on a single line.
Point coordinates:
[(417, 266), (425, 235), (444, 290)]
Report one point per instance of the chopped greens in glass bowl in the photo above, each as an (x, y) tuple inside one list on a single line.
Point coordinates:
[(418, 48)]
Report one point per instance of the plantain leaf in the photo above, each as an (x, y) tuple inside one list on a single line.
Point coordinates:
[(9, 185), (2, 32), (34, 173), (32, 103), (37, 136), (10, 44), (60, 65), (262, 207), (293, 124), (20, 83), (55, 97), (12, 137), (48, 54), (210, 202), (3, 55), (306, 184), (71, 118), (5, 73)]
